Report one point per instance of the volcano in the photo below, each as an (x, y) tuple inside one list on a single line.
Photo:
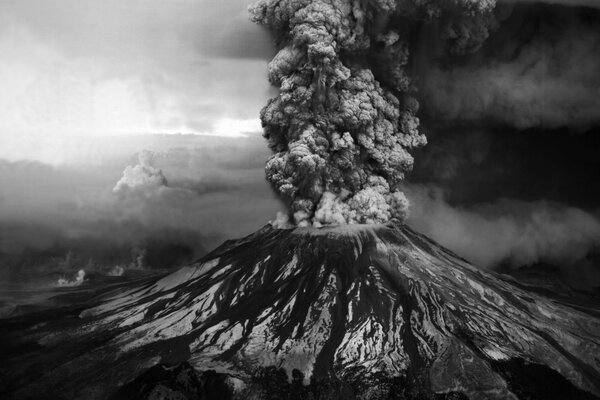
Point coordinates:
[(349, 312)]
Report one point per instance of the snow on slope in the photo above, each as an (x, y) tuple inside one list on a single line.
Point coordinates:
[(352, 303)]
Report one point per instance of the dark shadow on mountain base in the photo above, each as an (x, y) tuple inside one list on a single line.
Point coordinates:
[(179, 382), (182, 382), (537, 382), (527, 381), (294, 282)]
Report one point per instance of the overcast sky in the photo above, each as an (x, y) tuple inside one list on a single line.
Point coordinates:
[(86, 67)]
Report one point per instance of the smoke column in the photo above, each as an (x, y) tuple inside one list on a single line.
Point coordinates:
[(344, 122), (351, 75), (341, 139)]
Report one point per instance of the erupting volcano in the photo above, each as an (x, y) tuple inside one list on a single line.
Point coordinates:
[(338, 298), (363, 311)]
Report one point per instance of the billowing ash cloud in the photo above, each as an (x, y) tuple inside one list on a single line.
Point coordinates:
[(349, 72), (345, 120), (538, 68), (507, 231), (341, 138)]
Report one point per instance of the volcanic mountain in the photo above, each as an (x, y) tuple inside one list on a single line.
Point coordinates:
[(350, 312)]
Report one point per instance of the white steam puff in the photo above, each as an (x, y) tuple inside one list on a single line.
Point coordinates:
[(117, 270), (141, 176), (77, 281)]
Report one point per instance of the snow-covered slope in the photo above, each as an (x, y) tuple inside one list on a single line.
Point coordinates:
[(358, 304)]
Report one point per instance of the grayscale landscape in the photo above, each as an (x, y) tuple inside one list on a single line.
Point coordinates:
[(300, 199)]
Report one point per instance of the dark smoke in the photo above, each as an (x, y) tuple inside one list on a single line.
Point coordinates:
[(539, 68), (507, 93), (346, 115), (340, 137), (349, 72)]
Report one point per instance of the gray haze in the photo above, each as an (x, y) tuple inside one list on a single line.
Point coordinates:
[(83, 67)]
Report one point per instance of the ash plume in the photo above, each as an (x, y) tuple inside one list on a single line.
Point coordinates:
[(341, 138), (507, 230), (352, 76), (345, 121)]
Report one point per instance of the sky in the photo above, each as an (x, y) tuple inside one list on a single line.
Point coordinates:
[(89, 68)]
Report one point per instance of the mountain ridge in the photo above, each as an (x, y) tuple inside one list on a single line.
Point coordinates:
[(357, 304)]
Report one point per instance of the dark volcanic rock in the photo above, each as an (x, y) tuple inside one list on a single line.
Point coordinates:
[(363, 312), (180, 382)]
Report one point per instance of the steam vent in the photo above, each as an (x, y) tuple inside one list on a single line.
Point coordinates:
[(353, 312)]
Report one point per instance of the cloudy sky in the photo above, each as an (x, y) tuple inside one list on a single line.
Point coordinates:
[(88, 87), (84, 67)]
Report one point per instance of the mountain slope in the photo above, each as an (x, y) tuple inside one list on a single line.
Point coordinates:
[(356, 304)]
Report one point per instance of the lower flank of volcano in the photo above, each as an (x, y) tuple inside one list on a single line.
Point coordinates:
[(355, 312)]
